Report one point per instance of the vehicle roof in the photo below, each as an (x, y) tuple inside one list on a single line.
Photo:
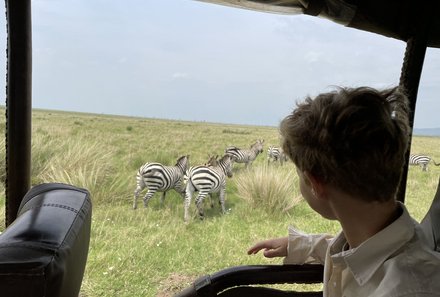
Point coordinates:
[(392, 18)]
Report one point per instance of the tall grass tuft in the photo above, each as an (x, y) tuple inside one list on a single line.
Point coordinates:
[(272, 188), (83, 163)]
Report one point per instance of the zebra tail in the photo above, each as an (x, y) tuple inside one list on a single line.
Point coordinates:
[(436, 164), (140, 179), (187, 176)]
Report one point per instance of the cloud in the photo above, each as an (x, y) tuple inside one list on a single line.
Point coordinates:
[(122, 60), (312, 56), (179, 75)]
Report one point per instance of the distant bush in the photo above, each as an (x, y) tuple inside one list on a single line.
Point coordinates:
[(242, 132), (272, 189), (129, 128)]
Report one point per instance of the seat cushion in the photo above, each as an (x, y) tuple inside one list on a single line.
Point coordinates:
[(44, 251)]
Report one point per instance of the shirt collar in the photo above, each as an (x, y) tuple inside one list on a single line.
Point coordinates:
[(364, 260)]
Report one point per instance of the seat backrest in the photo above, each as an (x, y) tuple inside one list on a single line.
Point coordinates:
[(431, 222), (44, 251)]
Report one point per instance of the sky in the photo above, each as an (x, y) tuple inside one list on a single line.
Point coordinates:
[(190, 60)]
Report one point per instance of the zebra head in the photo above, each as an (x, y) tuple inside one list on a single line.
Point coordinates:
[(226, 163), (212, 161), (183, 163), (258, 146)]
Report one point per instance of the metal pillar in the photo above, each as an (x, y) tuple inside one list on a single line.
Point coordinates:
[(18, 104)]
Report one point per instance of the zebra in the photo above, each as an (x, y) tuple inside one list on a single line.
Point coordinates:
[(246, 156), (159, 178), (422, 160), (207, 179), (275, 154)]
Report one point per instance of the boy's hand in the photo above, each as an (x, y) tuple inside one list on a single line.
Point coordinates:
[(276, 247)]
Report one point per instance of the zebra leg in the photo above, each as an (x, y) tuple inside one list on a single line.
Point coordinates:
[(162, 198), (148, 196), (136, 194), (199, 204), (211, 199), (222, 199)]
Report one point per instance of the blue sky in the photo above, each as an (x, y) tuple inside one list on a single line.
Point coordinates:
[(189, 60)]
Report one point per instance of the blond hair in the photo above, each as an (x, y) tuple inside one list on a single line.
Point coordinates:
[(352, 138)]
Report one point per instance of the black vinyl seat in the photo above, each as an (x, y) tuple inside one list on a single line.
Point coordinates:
[(44, 251)]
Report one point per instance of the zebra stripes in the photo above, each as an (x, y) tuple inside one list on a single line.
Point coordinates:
[(275, 154), (159, 178), (422, 160), (207, 179), (246, 156)]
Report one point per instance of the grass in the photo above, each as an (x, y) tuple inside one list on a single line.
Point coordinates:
[(269, 187), (150, 251)]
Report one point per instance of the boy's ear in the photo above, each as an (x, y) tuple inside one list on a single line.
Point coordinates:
[(318, 187)]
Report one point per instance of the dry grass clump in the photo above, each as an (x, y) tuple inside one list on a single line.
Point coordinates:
[(273, 188), (84, 163)]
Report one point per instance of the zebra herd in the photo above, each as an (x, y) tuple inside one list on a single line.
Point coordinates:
[(205, 179), (211, 177)]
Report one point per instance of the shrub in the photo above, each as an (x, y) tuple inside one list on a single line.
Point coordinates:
[(271, 188), (241, 132)]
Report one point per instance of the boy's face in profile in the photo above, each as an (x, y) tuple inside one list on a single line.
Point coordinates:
[(318, 202)]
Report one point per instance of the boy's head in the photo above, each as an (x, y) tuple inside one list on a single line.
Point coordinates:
[(354, 139)]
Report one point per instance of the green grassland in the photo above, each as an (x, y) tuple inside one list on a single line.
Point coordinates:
[(150, 251)]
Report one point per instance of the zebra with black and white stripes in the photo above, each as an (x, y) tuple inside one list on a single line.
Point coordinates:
[(207, 179), (246, 156), (275, 154), (159, 178), (422, 161)]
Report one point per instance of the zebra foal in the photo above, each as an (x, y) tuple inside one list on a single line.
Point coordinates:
[(246, 156), (422, 160), (207, 179), (159, 178)]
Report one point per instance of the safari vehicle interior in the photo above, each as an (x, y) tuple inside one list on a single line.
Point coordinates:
[(40, 258)]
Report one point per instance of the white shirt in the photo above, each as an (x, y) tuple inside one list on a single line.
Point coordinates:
[(395, 262)]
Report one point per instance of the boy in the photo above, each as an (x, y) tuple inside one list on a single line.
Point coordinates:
[(349, 147)]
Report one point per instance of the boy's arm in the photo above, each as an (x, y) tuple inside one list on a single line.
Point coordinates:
[(297, 248), (306, 248)]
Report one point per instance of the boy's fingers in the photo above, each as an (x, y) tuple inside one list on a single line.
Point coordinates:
[(254, 250), (271, 253), (268, 253), (257, 247)]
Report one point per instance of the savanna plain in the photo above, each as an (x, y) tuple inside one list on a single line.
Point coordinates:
[(150, 251)]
